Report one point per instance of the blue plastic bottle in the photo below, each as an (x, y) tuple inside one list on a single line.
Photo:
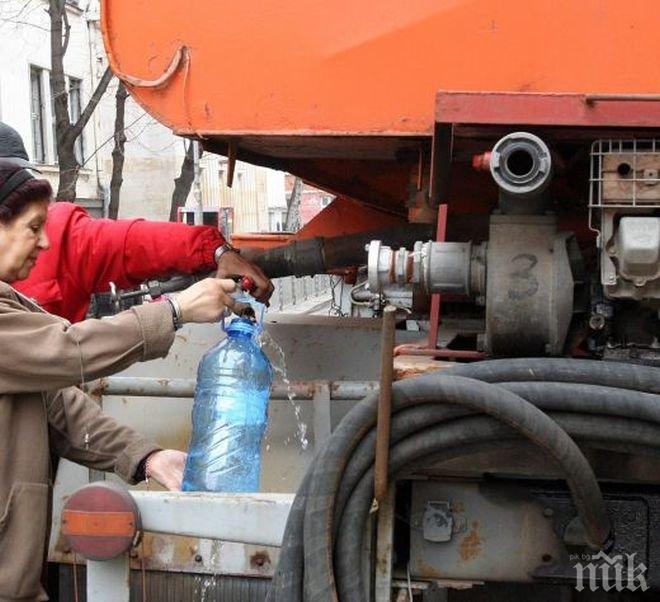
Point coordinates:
[(229, 414)]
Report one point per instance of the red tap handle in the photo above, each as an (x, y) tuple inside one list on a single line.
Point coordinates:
[(247, 284)]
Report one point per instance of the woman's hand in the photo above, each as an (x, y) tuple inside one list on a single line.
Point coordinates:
[(206, 300), (166, 467)]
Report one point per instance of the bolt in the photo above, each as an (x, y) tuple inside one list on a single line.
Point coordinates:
[(548, 512), (259, 560), (198, 558), (596, 322)]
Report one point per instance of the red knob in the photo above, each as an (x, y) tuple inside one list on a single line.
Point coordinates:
[(247, 284)]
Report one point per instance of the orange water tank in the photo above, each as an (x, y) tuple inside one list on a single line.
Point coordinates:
[(358, 67), (320, 85)]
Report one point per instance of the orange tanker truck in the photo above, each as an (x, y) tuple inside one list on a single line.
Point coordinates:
[(496, 167)]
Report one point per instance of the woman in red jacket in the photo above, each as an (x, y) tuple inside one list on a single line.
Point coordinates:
[(86, 254)]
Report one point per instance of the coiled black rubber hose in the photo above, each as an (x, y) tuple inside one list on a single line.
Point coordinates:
[(448, 414)]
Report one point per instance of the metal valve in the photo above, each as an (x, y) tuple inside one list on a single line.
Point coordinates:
[(158, 288)]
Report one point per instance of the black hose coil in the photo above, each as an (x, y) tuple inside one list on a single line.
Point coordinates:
[(473, 407)]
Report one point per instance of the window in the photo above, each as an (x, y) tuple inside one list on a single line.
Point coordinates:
[(75, 108), (53, 120), (38, 114)]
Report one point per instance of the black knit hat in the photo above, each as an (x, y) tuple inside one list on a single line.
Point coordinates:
[(12, 147)]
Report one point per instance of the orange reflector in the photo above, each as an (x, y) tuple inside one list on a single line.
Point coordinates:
[(98, 524)]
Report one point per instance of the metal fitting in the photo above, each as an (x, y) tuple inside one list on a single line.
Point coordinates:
[(435, 267), (521, 166)]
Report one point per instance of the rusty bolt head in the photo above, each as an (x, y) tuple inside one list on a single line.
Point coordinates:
[(259, 560)]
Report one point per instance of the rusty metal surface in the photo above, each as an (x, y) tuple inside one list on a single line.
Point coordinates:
[(520, 108), (407, 366), (174, 553), (384, 545), (464, 354), (499, 533)]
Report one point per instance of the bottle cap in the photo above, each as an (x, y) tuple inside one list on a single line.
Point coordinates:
[(242, 325)]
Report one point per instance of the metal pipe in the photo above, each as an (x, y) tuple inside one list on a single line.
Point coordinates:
[(185, 388), (384, 403), (436, 300), (312, 256), (108, 580)]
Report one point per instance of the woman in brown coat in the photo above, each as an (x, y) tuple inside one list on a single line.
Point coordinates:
[(42, 358)]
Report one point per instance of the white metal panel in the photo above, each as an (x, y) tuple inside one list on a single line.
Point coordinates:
[(255, 518)]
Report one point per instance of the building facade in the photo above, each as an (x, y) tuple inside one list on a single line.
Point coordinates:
[(153, 155)]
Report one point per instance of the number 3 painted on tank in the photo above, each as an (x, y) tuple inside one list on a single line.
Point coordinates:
[(523, 282)]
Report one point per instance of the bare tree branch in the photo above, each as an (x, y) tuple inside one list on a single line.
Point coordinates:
[(20, 16), (66, 156), (98, 93), (25, 23), (118, 151), (184, 182), (57, 78), (67, 133), (292, 222), (67, 27)]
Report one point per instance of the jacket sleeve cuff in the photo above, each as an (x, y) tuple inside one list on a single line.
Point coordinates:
[(129, 462), (157, 328), (208, 245)]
